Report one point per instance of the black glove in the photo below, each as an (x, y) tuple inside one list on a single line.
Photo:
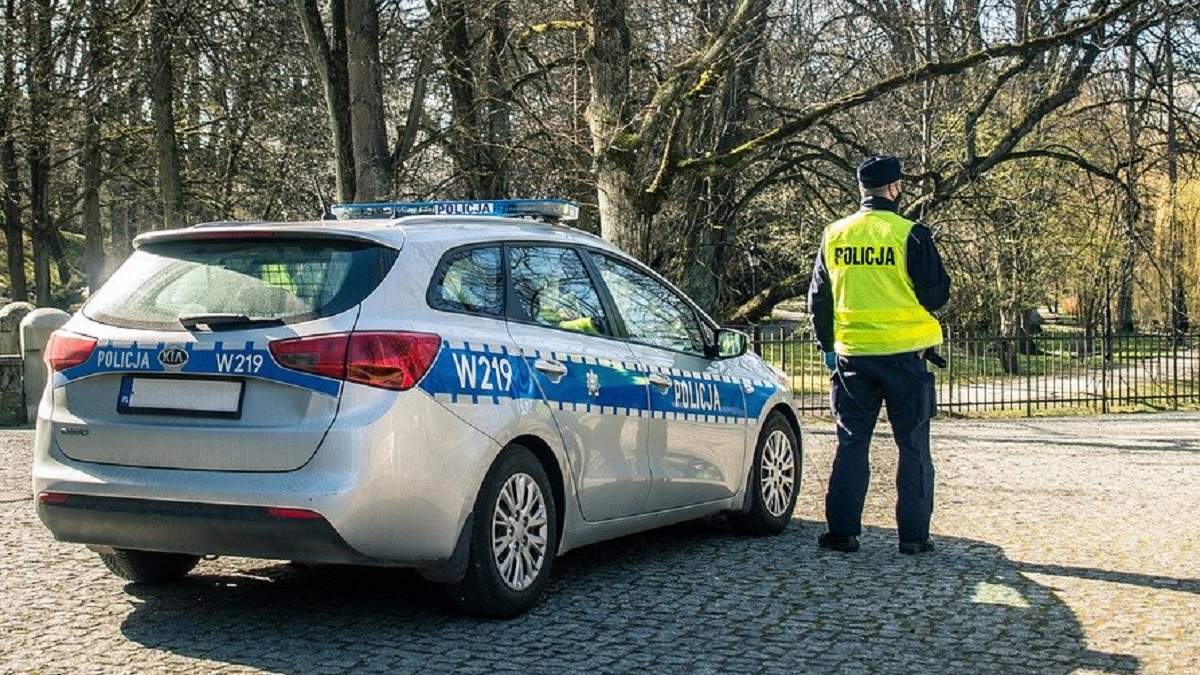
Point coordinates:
[(935, 358)]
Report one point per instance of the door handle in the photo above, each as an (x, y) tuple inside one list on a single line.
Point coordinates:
[(553, 370), (661, 381)]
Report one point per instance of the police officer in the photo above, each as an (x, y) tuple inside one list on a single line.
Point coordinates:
[(876, 280)]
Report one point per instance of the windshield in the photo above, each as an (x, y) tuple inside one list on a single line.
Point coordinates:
[(178, 284)]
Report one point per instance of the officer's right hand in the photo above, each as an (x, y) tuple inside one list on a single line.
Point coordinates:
[(831, 360)]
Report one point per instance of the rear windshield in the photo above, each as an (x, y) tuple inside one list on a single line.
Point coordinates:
[(167, 284)]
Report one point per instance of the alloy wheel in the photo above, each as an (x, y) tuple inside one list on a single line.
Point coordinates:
[(778, 473), (519, 531)]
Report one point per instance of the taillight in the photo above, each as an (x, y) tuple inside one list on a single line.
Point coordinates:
[(388, 360), (323, 355), (65, 350)]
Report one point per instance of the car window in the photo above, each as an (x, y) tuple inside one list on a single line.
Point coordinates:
[(470, 280), (285, 279), (552, 288), (653, 313)]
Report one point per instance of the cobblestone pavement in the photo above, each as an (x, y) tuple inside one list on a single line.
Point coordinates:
[(1065, 546)]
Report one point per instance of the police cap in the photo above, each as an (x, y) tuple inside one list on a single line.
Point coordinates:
[(878, 170)]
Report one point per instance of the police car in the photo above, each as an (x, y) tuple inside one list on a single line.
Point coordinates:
[(469, 389)]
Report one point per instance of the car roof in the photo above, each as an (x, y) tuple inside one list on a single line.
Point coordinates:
[(393, 232)]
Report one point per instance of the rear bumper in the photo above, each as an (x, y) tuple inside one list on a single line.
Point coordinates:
[(390, 492), (200, 529)]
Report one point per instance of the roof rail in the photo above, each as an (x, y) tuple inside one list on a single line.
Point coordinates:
[(550, 210)]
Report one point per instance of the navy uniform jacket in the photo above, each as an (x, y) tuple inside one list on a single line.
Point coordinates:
[(925, 268)]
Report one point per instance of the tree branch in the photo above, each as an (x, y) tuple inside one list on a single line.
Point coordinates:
[(926, 72)]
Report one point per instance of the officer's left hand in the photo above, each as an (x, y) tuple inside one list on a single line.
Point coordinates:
[(831, 360)]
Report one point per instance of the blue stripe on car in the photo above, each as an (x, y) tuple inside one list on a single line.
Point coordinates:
[(478, 373), (234, 360)]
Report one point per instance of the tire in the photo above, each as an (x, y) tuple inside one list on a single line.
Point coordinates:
[(774, 480), (514, 539), (149, 567)]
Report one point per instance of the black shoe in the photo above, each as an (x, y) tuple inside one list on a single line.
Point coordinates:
[(914, 547), (838, 542)]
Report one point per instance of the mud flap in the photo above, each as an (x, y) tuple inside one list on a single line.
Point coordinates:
[(454, 569)]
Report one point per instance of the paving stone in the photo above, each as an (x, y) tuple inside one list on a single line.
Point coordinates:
[(1064, 546)]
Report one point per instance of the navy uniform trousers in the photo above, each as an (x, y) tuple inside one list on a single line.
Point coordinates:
[(860, 384)]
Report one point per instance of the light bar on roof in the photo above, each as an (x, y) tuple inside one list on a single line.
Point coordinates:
[(549, 209)]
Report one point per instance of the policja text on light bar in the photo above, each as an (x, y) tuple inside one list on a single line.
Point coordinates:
[(549, 209)]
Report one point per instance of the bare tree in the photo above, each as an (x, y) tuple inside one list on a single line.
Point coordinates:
[(475, 52), (39, 17), (10, 180), (91, 158), (164, 16), (371, 155), (330, 57)]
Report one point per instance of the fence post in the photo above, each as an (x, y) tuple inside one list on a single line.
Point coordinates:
[(1028, 374), (1176, 340), (950, 370), (756, 338), (1106, 349), (784, 348)]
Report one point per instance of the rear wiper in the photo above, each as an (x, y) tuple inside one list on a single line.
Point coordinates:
[(225, 320)]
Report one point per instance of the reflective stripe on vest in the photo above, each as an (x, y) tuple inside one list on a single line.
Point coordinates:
[(875, 310)]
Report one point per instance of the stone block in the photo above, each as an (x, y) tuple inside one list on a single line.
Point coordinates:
[(36, 328)]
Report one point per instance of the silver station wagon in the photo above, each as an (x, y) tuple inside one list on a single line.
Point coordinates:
[(469, 389)]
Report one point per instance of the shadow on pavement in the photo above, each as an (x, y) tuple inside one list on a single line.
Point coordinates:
[(689, 599), (1112, 576)]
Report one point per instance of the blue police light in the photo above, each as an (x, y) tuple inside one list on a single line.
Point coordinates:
[(549, 209)]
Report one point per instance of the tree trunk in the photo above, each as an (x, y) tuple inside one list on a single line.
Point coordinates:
[(1008, 342), (14, 236), (162, 98), (1178, 310), (330, 59), (622, 221), (711, 204), (10, 180), (41, 70), (614, 146), (90, 159), (371, 157), (480, 100), (498, 108), (1132, 210)]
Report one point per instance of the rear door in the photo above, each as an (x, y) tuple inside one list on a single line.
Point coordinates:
[(590, 379), (182, 374)]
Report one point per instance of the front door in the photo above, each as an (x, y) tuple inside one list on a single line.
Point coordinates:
[(698, 427)]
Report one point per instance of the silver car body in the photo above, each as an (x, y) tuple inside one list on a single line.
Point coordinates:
[(633, 436)]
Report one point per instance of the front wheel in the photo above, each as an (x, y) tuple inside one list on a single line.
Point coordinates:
[(774, 480), (513, 541), (149, 567)]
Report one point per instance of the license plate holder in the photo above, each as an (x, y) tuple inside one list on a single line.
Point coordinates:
[(181, 397)]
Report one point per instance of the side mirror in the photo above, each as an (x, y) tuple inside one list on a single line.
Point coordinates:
[(731, 343)]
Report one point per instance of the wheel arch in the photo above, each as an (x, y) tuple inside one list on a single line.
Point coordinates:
[(545, 455), (789, 413), (793, 420)]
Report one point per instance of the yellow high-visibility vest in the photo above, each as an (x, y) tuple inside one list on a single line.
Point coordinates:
[(277, 275), (875, 310)]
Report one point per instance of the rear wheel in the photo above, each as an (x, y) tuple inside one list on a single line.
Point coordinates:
[(149, 567), (514, 539), (774, 480)]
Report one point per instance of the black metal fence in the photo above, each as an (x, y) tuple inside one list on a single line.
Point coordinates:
[(1043, 374)]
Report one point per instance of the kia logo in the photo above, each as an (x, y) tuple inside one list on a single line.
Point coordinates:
[(173, 357)]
